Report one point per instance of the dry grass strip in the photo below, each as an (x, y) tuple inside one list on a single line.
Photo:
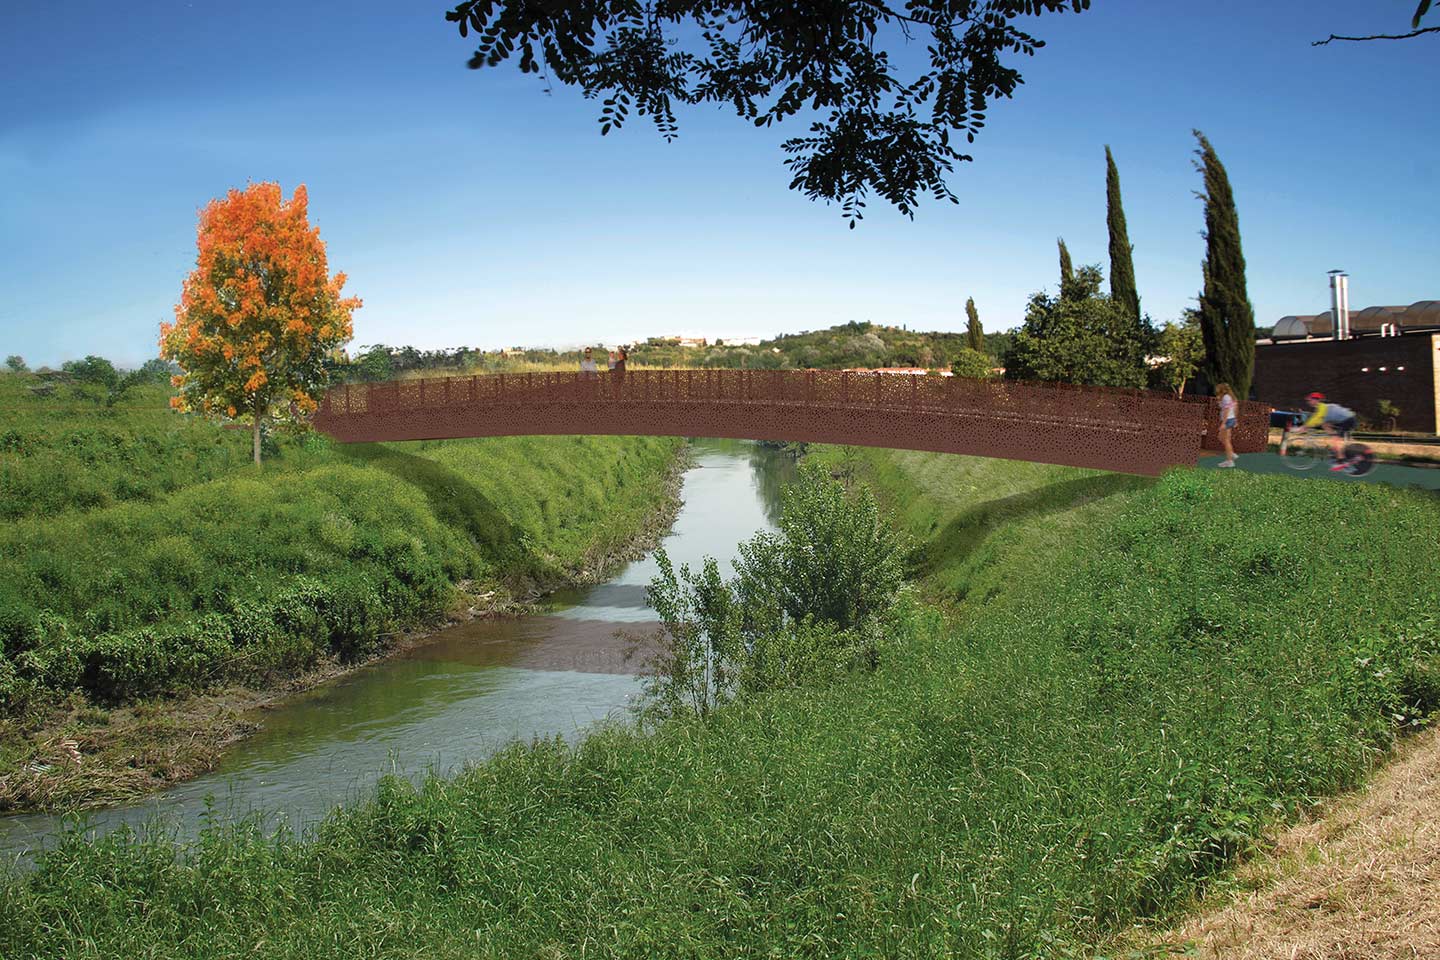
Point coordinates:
[(1360, 882)]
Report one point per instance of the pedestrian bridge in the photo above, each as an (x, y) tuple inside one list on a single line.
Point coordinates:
[(1128, 431)]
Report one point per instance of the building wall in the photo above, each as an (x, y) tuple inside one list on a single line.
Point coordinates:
[(1286, 372)]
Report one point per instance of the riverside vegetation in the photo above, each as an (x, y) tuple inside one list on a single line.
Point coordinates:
[(144, 560), (1116, 686)]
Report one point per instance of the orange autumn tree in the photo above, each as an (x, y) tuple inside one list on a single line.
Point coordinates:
[(259, 313)]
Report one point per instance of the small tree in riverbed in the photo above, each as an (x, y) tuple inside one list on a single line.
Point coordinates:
[(805, 604), (259, 313)]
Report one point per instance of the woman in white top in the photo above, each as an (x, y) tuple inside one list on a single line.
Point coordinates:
[(587, 365), (1228, 407)]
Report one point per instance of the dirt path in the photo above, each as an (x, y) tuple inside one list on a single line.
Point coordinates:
[(1361, 881)]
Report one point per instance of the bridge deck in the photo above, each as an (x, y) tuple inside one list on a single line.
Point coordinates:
[(1130, 431)]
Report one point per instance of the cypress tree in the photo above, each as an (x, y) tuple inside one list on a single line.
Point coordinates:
[(975, 334), (1227, 320), (1122, 264), (1067, 272)]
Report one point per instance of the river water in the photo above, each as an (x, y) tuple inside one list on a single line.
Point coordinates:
[(459, 697)]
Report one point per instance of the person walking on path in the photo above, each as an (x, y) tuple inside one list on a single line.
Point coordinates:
[(1229, 408)]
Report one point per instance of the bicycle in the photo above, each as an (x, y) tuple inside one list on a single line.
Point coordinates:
[(1302, 450)]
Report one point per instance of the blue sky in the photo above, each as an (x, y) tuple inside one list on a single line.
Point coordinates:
[(473, 208)]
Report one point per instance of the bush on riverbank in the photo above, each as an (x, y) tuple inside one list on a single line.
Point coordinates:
[(1118, 710), (808, 603)]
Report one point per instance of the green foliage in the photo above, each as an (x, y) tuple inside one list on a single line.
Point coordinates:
[(16, 364), (138, 556), (1227, 320), (1390, 411), (94, 370), (973, 364), (1183, 347), (64, 451), (1083, 338), (869, 131), (1122, 262), (1067, 271), (807, 602), (974, 333), (1116, 713), (833, 559), (374, 365)]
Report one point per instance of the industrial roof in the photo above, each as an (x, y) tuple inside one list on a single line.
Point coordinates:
[(1421, 315)]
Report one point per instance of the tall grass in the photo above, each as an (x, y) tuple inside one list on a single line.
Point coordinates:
[(142, 553), (1107, 727), (69, 451)]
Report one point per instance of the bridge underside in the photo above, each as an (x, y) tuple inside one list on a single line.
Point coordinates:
[(1124, 431), (1102, 446)]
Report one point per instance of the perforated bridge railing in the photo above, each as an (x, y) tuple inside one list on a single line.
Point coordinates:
[(1131, 431)]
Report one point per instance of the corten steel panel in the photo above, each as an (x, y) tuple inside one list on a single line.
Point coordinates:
[(1124, 430)]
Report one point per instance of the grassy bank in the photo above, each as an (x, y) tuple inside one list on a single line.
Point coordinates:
[(154, 562), (1136, 677)]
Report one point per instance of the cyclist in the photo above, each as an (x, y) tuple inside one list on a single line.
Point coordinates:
[(1337, 420)]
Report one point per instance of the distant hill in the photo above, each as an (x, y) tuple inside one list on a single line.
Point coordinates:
[(859, 344)]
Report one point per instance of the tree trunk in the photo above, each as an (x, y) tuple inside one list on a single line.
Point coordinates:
[(259, 409)]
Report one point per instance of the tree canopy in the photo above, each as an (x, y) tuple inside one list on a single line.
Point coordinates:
[(871, 131), (1082, 337), (260, 312)]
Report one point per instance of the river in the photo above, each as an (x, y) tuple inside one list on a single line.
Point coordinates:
[(457, 698)]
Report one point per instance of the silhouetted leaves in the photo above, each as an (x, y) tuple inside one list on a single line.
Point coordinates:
[(769, 60)]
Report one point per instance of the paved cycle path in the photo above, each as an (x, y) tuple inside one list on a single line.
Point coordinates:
[(1394, 474)]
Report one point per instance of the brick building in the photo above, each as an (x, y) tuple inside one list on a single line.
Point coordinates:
[(1392, 353)]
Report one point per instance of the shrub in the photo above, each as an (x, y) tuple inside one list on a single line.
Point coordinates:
[(807, 603)]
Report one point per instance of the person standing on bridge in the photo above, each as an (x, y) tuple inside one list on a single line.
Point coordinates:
[(617, 370), (1229, 407)]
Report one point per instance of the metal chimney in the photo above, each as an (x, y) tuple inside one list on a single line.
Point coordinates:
[(1340, 304)]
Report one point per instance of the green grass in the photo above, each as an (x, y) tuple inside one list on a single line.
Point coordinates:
[(141, 552), (69, 451), (1149, 676)]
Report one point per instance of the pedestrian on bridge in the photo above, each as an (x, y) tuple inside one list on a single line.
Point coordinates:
[(1229, 407), (617, 370)]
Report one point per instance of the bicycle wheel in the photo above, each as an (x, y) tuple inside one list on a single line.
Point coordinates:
[(1301, 453), (1359, 458)]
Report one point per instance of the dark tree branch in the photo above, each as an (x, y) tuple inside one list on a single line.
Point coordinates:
[(770, 60), (1379, 36)]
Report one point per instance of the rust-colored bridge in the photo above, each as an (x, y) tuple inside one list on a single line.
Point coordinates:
[(1129, 431)]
